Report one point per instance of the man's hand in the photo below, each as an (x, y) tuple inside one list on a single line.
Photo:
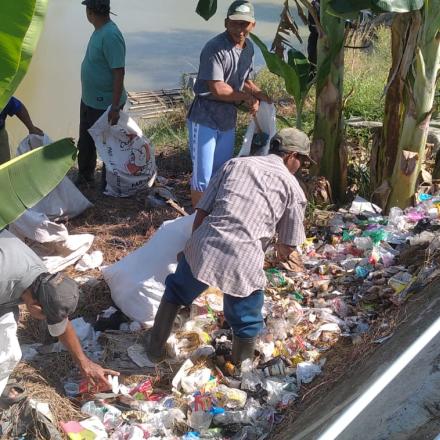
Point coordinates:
[(113, 116), (289, 258), (261, 96), (93, 372), (254, 104), (97, 375), (36, 130)]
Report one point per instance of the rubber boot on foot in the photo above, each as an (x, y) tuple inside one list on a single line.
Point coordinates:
[(156, 338), (242, 349)]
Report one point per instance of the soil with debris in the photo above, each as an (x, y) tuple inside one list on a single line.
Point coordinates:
[(365, 315)]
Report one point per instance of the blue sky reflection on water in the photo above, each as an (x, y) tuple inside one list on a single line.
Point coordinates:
[(163, 40)]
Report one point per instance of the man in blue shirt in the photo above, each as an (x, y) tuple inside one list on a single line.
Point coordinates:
[(102, 82), (14, 108)]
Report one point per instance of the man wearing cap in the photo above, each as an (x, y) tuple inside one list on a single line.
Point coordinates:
[(247, 202), (24, 279), (102, 82), (223, 81)]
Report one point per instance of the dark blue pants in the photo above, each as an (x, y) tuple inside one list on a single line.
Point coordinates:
[(242, 314)]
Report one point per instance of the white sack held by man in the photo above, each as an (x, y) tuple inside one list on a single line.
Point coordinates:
[(127, 154)]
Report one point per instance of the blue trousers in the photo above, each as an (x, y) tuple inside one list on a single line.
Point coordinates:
[(243, 314), (209, 149)]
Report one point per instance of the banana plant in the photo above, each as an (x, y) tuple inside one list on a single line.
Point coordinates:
[(21, 23), (409, 97), (418, 98), (295, 72), (25, 180), (328, 147)]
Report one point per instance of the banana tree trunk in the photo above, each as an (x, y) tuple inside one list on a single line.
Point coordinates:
[(421, 85), (328, 146), (404, 33)]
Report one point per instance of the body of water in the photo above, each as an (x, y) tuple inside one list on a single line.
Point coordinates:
[(163, 41)]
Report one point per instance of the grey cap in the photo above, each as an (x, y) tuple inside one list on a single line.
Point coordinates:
[(58, 297), (97, 5), (291, 140), (241, 10)]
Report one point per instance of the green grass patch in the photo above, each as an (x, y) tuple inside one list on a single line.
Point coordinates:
[(365, 78)]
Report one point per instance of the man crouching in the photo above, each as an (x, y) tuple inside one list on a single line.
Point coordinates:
[(24, 279)]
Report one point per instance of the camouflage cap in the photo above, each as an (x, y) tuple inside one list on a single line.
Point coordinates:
[(291, 140), (241, 10)]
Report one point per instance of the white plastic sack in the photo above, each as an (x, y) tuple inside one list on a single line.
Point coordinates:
[(50, 241), (127, 154), (10, 353), (37, 227), (266, 119), (57, 255), (137, 282), (65, 201)]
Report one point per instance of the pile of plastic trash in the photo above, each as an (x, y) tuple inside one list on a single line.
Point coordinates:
[(356, 263)]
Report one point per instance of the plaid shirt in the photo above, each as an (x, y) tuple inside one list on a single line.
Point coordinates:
[(249, 200)]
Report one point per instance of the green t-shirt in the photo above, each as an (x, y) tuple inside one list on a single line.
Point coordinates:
[(105, 51)]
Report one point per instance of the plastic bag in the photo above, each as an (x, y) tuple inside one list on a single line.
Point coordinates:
[(306, 372), (266, 123), (230, 397), (65, 201), (10, 353), (127, 154)]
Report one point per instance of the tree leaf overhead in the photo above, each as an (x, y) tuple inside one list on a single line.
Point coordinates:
[(21, 23), (349, 9), (206, 8)]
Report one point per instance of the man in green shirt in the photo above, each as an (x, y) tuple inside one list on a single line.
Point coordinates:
[(102, 82)]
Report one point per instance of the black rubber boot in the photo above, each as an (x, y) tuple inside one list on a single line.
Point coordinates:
[(242, 349), (156, 338)]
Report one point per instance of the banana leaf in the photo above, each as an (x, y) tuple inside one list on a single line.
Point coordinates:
[(349, 9), (280, 68), (21, 23), (25, 180), (299, 62), (206, 8)]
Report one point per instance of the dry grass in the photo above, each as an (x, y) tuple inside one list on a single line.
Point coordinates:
[(42, 381)]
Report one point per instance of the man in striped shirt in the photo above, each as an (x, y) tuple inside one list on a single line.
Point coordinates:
[(248, 202)]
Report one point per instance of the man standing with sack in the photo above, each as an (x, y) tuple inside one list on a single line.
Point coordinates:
[(223, 81), (24, 279), (102, 82), (247, 202)]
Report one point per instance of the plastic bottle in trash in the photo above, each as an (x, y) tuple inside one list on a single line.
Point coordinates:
[(199, 420), (363, 243), (278, 327), (108, 414)]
